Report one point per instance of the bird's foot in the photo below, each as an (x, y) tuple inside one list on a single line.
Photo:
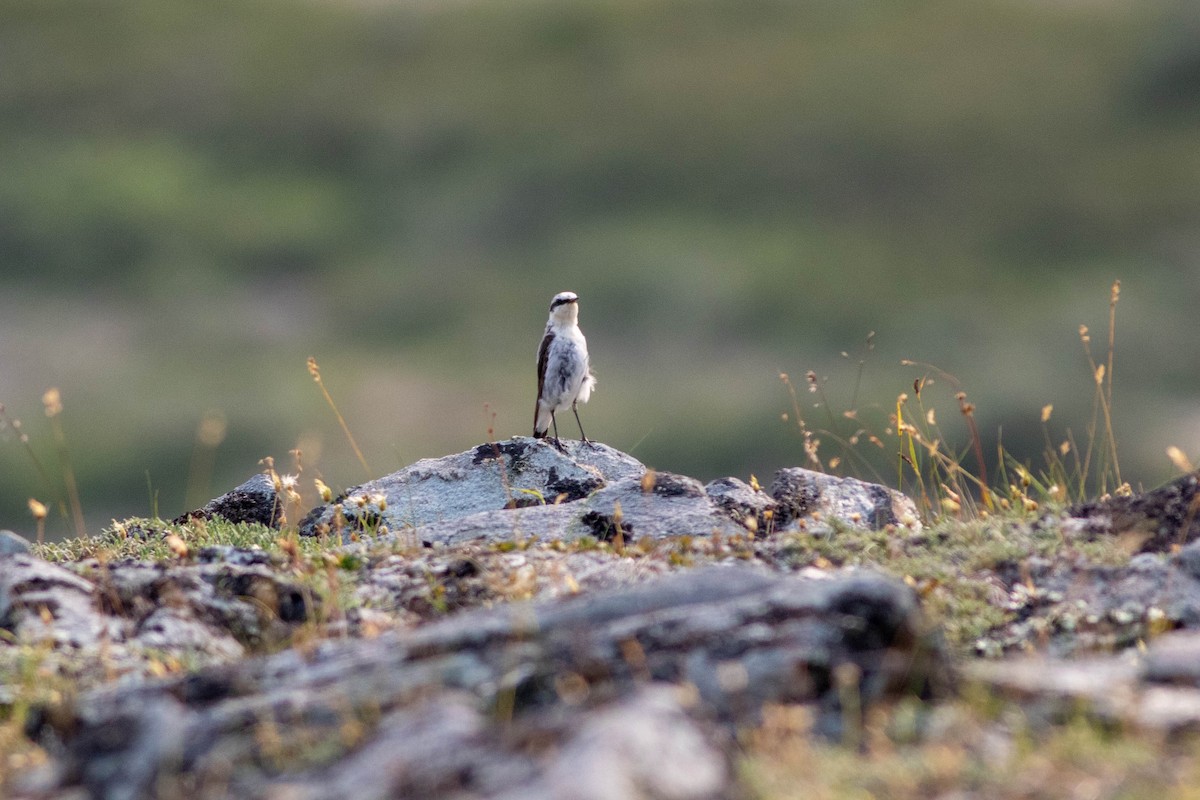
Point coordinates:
[(588, 443), (558, 445)]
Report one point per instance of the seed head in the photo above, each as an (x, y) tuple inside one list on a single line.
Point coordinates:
[(38, 510), (52, 400)]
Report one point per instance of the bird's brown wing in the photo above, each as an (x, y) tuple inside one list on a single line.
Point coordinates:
[(543, 352)]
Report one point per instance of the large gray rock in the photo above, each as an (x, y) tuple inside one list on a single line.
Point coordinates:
[(110, 614), (806, 498), (752, 508), (626, 693), (525, 488), (519, 472), (255, 501), (654, 505), (660, 506), (1158, 520), (643, 747), (1158, 692), (1069, 606), (12, 544), (40, 601)]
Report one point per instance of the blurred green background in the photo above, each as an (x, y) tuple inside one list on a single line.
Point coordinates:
[(196, 196)]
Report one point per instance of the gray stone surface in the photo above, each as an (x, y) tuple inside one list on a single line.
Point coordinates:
[(661, 506), (753, 509), (1158, 692), (645, 746), (1066, 606), (624, 693), (666, 505), (211, 611), (1160, 519), (253, 501), (525, 488), (41, 602), (12, 544), (518, 472), (806, 497), (547, 522)]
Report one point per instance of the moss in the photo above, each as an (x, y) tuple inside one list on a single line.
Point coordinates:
[(952, 564)]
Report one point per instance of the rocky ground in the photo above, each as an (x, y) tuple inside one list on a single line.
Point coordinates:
[(515, 621)]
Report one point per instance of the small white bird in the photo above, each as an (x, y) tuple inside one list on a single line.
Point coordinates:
[(564, 373)]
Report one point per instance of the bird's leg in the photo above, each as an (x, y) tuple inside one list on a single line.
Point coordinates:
[(558, 445), (582, 435)]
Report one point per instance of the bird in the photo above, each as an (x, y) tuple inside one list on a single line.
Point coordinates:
[(564, 372)]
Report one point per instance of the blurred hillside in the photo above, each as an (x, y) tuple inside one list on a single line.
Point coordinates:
[(195, 197)]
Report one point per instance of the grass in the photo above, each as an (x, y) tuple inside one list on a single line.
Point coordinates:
[(951, 481), (633, 149), (949, 564), (973, 747), (975, 528)]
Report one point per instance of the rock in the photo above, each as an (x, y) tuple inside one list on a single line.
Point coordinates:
[(1188, 559), (548, 522), (805, 496), (1160, 519), (752, 508), (255, 501), (12, 544), (662, 505), (628, 693), (104, 617), (1160, 694), (665, 505), (40, 601), (644, 747), (1052, 689), (122, 759), (1174, 659), (1070, 607), (515, 473), (522, 488)]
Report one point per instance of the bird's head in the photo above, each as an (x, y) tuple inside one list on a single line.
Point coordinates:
[(564, 307)]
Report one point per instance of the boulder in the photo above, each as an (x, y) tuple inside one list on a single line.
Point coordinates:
[(1159, 693), (630, 693), (659, 505), (12, 544), (211, 611), (806, 498), (1068, 606), (522, 488), (752, 508), (1158, 520), (40, 601), (516, 473), (255, 501)]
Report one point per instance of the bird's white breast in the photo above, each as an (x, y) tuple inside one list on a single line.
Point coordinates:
[(567, 366)]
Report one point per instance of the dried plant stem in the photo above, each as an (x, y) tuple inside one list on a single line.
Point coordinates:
[(1111, 438), (23, 438), (52, 400), (315, 371)]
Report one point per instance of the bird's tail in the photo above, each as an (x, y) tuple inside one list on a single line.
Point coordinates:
[(585, 391), (541, 421)]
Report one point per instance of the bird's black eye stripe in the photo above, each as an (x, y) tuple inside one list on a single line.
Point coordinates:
[(561, 301)]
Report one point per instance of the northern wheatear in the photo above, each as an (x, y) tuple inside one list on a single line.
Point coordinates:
[(564, 375)]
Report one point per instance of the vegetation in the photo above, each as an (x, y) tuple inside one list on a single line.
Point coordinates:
[(975, 747), (197, 199)]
